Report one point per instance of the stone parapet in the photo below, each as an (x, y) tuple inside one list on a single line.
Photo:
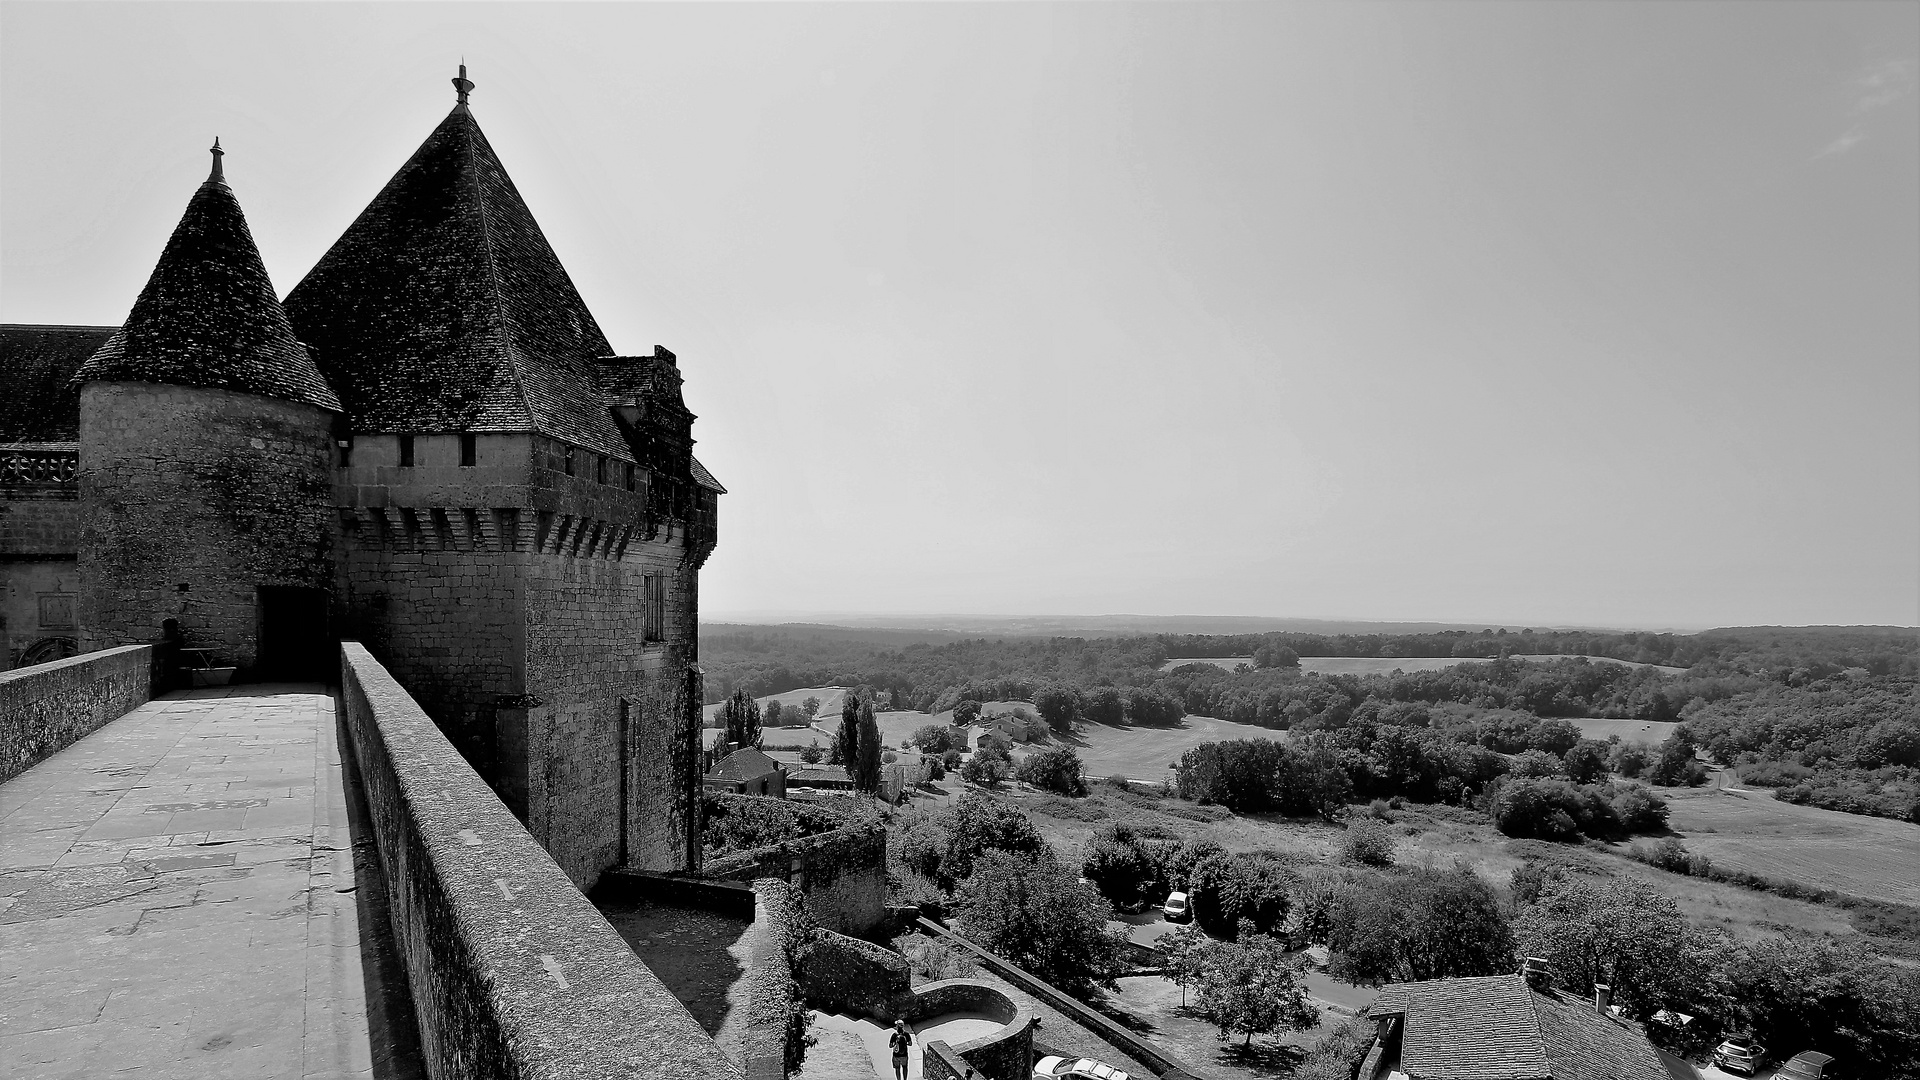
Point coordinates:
[(841, 872), (513, 972), (48, 707)]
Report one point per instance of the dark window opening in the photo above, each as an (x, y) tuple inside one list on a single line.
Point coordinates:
[(346, 451), (629, 476), (569, 461), (600, 469), (469, 448), (406, 451)]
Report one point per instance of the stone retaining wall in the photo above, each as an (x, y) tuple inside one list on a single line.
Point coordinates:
[(1078, 1011), (513, 972), (48, 707), (842, 873), (1006, 1054), (846, 975)]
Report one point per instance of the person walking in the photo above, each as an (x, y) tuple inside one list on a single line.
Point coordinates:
[(898, 1041)]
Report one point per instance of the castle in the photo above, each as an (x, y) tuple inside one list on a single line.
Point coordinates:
[(428, 447)]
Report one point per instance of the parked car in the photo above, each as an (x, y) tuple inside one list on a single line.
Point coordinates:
[(1806, 1065), (1176, 909), (1740, 1054), (1066, 1068)]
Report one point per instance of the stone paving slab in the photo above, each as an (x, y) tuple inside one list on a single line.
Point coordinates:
[(176, 897)]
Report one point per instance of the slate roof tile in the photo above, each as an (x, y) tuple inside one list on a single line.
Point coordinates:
[(39, 401), (746, 763), (443, 308), (1499, 1028), (208, 315)]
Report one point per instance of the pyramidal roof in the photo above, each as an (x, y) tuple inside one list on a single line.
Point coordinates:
[(208, 315), (442, 308)]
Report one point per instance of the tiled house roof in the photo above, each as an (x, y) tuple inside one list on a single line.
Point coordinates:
[(442, 308), (746, 763), (1499, 1028), (209, 317), (705, 479), (41, 403)]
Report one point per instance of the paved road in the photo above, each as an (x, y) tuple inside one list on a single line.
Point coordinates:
[(177, 899)]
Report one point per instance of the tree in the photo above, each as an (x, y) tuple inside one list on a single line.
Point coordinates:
[(1274, 655), (1367, 842), (965, 713), (867, 764), (1121, 866), (1820, 993), (1183, 957), (1056, 769), (1586, 763), (1639, 810), (1037, 914), (1105, 705), (1252, 987), (846, 747), (740, 718), (810, 707), (1412, 925), (1537, 764), (812, 754), (771, 715), (1251, 886), (1189, 855), (1675, 766), (935, 739), (980, 823), (988, 767), (1059, 706), (1620, 932)]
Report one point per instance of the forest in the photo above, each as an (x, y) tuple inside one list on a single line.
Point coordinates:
[(1827, 715)]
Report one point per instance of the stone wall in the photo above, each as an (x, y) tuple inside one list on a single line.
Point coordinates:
[(513, 972), (1074, 1009), (846, 975), (191, 499), (48, 707), (39, 609), (842, 873), (1006, 1054)]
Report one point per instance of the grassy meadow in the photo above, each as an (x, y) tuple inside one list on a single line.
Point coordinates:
[(1386, 665)]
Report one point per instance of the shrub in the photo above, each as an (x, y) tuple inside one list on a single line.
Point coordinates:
[(1037, 914), (1551, 810), (980, 823), (1537, 764), (1056, 769), (1180, 865), (1639, 809), (1121, 865), (1381, 809), (936, 739), (1367, 842)]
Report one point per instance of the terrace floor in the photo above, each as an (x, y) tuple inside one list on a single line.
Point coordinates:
[(179, 897)]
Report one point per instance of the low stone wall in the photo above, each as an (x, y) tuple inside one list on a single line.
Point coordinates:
[(678, 890), (842, 873), (1078, 1011), (780, 928), (513, 972), (1006, 1054), (48, 707), (846, 975)]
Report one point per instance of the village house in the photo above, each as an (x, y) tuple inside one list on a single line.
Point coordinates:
[(1508, 1027), (748, 771)]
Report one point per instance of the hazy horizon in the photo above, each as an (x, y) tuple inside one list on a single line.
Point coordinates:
[(1576, 314)]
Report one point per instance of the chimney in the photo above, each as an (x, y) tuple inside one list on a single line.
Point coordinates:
[(1602, 997), (1538, 973)]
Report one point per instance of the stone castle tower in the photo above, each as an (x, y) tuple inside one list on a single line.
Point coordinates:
[(431, 448)]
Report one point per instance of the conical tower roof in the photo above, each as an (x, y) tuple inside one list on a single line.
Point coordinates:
[(208, 315), (443, 308)]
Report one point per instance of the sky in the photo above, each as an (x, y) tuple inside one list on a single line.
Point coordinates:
[(1542, 314)]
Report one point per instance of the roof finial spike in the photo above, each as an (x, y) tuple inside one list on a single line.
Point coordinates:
[(462, 85), (217, 176)]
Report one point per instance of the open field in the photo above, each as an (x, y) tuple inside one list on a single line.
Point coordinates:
[(1144, 753), (1640, 731), (1751, 830), (1386, 665), (829, 701)]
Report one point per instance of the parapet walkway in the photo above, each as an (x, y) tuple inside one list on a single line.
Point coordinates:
[(178, 899)]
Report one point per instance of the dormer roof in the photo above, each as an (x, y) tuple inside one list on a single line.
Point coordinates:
[(443, 308), (208, 315)]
